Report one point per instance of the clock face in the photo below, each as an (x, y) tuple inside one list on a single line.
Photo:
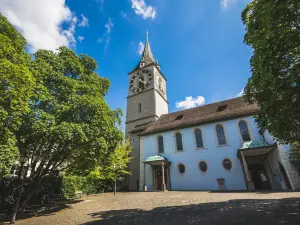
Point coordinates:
[(140, 81)]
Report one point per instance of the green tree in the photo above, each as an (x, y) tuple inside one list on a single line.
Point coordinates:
[(16, 86), (69, 125), (116, 167), (273, 31)]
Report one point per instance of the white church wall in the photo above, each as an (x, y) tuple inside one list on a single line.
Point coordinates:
[(193, 178)]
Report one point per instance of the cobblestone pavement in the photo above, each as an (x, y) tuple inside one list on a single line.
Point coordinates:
[(178, 208)]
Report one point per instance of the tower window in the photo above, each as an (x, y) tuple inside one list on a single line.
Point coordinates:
[(140, 107)]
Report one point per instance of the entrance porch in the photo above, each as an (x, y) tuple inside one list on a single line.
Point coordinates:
[(160, 167), (259, 168)]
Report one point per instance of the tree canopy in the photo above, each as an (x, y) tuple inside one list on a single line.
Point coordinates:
[(273, 31), (53, 115), (16, 85)]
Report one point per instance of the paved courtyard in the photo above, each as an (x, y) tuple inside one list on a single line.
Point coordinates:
[(177, 208)]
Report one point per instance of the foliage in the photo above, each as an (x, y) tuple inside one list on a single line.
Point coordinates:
[(116, 166), (71, 184), (295, 155), (88, 185), (16, 87), (273, 31), (69, 126), (54, 188)]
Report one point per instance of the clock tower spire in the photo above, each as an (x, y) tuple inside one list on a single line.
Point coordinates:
[(146, 102)]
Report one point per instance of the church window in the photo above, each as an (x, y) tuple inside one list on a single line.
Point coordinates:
[(227, 164), (181, 168), (244, 131), (203, 166), (221, 135), (160, 142), (140, 107), (141, 83), (179, 145), (198, 138)]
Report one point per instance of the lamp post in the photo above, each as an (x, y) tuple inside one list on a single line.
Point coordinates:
[(115, 174)]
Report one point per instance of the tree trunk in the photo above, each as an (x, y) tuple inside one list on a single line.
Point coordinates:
[(32, 191), (16, 207)]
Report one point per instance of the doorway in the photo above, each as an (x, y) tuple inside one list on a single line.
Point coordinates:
[(159, 180), (259, 176)]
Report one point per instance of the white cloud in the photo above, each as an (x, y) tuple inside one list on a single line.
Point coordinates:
[(80, 38), (140, 8), (190, 102), (40, 21), (106, 36), (240, 94), (141, 48), (84, 22), (226, 3), (109, 25), (124, 15)]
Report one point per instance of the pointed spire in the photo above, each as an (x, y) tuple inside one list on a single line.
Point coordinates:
[(147, 56)]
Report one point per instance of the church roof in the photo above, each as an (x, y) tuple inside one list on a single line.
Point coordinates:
[(210, 113), (147, 57)]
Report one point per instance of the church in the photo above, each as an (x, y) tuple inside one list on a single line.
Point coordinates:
[(216, 147)]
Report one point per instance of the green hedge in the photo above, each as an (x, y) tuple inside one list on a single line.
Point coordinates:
[(88, 185), (53, 189)]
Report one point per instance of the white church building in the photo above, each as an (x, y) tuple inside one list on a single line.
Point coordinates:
[(212, 147)]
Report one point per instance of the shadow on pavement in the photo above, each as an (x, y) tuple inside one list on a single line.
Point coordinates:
[(242, 211), (39, 210)]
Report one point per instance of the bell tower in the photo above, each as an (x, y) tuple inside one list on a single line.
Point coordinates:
[(146, 102)]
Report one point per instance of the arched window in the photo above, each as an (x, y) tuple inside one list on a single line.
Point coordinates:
[(140, 107), (221, 135), (244, 131), (141, 83), (227, 164), (179, 145), (198, 138), (181, 168), (160, 142)]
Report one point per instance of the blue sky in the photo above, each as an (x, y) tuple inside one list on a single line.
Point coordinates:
[(199, 43)]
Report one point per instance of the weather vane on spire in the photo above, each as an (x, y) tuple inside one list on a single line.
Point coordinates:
[(147, 34)]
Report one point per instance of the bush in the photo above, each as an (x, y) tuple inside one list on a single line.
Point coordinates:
[(71, 184), (54, 189), (88, 185)]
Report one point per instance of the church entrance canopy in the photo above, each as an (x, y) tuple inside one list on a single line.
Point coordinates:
[(160, 172), (253, 156)]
